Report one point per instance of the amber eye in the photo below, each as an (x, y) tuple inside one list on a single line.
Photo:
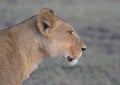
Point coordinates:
[(71, 32)]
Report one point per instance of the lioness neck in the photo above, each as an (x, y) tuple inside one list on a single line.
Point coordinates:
[(29, 44)]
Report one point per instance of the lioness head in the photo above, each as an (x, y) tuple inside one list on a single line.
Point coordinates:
[(64, 40)]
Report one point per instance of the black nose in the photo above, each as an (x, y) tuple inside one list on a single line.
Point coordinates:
[(83, 49)]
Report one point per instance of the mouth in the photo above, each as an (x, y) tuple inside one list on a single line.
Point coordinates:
[(71, 61)]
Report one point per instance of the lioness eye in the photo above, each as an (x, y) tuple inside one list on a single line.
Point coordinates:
[(71, 32)]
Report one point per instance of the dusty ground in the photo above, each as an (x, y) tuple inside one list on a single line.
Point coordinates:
[(96, 21)]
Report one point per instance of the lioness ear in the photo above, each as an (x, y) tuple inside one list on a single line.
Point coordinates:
[(46, 20)]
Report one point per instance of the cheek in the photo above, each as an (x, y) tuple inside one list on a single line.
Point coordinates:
[(75, 52), (61, 36)]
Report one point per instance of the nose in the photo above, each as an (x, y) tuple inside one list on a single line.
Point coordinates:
[(83, 48)]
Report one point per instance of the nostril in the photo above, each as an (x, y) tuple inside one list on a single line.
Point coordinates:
[(83, 49)]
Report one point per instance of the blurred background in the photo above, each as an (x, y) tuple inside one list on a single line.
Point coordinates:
[(98, 24)]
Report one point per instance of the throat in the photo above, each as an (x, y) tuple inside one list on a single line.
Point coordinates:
[(31, 57)]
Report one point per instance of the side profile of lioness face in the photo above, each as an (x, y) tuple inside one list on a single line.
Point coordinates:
[(64, 40), (24, 45)]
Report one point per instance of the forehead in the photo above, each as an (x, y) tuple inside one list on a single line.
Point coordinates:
[(63, 25)]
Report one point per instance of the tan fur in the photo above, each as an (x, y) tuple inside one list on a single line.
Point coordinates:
[(24, 45)]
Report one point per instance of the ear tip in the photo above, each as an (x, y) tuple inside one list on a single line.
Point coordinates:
[(47, 10)]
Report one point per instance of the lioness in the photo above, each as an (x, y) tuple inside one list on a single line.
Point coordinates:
[(26, 44)]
